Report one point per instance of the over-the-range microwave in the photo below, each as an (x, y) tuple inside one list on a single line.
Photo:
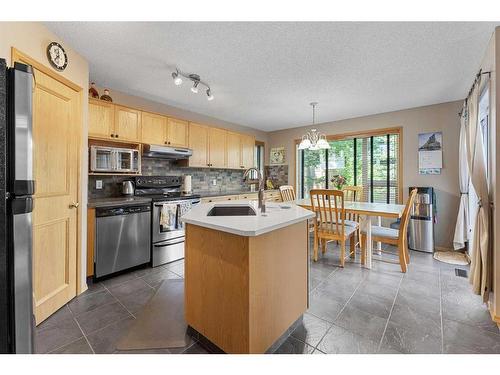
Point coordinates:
[(114, 159)]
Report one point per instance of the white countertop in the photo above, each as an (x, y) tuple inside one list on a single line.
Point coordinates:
[(274, 218)]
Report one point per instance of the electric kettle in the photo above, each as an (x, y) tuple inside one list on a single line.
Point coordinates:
[(127, 188)]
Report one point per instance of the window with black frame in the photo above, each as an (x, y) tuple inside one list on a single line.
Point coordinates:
[(368, 161)]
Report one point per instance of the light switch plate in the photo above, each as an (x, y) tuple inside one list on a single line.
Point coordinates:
[(98, 184), (214, 182)]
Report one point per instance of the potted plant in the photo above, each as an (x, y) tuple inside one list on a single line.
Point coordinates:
[(338, 181)]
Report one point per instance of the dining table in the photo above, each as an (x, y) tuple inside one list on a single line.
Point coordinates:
[(365, 211)]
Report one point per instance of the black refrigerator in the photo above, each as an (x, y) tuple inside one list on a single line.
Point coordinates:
[(16, 204)]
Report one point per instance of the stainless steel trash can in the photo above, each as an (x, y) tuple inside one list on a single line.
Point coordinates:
[(421, 225)]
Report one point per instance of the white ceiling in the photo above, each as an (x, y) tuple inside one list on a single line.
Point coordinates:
[(264, 75)]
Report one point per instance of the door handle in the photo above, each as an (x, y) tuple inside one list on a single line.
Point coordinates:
[(74, 205)]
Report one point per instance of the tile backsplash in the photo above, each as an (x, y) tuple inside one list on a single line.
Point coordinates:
[(202, 178), (277, 173)]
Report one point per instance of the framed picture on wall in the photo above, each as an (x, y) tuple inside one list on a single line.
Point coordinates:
[(277, 156), (430, 153)]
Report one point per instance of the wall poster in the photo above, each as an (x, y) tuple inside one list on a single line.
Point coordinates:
[(277, 156), (430, 153)]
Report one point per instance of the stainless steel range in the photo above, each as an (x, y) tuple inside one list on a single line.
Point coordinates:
[(168, 205)]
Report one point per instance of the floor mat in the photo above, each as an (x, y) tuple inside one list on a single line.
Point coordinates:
[(452, 257), (160, 324)]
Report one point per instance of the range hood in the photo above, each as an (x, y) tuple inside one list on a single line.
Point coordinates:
[(166, 152)]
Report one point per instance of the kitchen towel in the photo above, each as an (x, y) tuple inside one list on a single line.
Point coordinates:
[(183, 208), (168, 216)]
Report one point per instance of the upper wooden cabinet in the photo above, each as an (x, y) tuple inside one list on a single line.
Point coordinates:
[(212, 147), (240, 151), (208, 145), (217, 148), (177, 132), (247, 151), (101, 119), (127, 124), (111, 121), (233, 150), (154, 129), (198, 142)]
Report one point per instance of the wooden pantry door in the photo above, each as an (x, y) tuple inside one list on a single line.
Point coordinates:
[(56, 145)]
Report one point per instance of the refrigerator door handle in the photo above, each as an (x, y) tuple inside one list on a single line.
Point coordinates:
[(21, 205)]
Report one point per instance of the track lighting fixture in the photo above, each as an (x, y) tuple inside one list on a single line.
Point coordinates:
[(209, 95), (177, 78), (195, 78), (195, 87)]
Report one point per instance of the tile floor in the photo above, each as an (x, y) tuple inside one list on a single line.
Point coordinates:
[(352, 310)]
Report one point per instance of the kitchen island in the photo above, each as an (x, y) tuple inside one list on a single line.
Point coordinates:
[(246, 277)]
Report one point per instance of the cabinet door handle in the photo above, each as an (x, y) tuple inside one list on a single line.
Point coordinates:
[(112, 135), (116, 135)]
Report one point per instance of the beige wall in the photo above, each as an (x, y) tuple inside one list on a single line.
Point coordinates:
[(148, 105), (440, 117), (32, 39)]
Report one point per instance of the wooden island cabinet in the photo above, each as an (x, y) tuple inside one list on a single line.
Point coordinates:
[(246, 280)]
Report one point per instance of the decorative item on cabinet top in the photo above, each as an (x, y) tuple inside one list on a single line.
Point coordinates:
[(106, 96), (93, 93)]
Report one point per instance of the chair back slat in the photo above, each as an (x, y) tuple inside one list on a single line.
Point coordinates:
[(328, 205), (287, 193), (352, 194), (405, 217)]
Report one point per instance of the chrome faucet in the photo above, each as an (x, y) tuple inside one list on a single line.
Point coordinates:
[(262, 204)]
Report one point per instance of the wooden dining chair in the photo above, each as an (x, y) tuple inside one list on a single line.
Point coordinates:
[(287, 193), (396, 237), (330, 223), (353, 194)]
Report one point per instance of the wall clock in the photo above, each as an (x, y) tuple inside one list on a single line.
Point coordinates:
[(57, 56)]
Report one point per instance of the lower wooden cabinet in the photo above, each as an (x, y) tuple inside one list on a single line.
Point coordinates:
[(272, 196)]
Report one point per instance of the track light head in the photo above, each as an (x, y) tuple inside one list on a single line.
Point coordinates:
[(194, 89), (177, 78), (209, 95)]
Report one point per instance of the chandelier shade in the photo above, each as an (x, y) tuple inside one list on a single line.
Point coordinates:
[(313, 140)]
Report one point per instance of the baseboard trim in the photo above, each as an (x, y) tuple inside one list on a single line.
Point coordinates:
[(494, 317)]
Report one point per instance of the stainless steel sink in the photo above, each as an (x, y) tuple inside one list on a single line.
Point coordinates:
[(226, 210)]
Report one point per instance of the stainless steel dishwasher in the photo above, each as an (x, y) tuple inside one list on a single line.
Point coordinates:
[(123, 238)]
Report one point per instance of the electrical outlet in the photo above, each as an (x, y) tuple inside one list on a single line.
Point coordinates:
[(214, 182), (98, 184)]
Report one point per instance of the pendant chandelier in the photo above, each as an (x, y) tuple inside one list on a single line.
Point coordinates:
[(313, 140)]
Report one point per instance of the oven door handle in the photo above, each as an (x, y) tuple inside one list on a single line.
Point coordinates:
[(172, 203), (168, 244)]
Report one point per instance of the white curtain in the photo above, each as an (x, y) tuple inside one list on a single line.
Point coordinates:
[(480, 257), (462, 227)]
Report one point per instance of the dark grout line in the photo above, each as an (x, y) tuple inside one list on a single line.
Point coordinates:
[(340, 312), (85, 336), (390, 313), (120, 302)]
